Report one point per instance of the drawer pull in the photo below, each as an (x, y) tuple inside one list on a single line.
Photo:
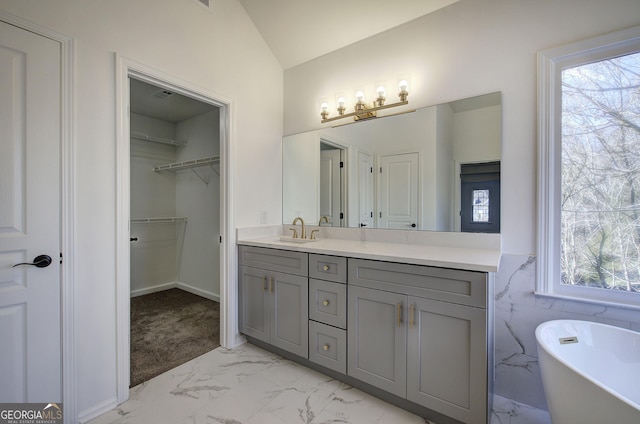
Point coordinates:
[(325, 347), (325, 268), (399, 314), (264, 283), (271, 284), (325, 302)]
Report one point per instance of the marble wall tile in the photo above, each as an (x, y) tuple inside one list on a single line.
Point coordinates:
[(518, 311)]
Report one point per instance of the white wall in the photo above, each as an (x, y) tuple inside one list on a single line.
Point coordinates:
[(199, 253), (220, 51), (470, 48), (153, 194)]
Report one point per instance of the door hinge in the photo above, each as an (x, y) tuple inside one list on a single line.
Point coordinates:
[(380, 214), (372, 169), (341, 164), (371, 214), (341, 215), (220, 239), (381, 170), (60, 257)]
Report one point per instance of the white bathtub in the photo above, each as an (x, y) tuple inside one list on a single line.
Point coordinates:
[(592, 379)]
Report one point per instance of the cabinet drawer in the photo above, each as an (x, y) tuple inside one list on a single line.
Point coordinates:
[(328, 302), (450, 285), (274, 260), (328, 346), (330, 268)]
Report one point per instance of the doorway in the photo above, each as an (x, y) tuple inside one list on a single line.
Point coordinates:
[(331, 185), (174, 229), (127, 69)]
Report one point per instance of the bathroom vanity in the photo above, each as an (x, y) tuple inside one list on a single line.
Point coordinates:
[(410, 323)]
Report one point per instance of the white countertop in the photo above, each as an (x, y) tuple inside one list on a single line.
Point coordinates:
[(467, 258)]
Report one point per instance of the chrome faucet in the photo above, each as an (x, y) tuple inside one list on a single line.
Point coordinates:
[(303, 234)]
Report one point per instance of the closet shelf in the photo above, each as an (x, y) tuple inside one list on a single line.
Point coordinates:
[(188, 164), (153, 139), (159, 220)]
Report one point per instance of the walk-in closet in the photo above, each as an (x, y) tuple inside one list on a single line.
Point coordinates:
[(174, 229)]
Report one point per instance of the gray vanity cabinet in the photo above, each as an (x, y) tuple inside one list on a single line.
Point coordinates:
[(377, 339), (421, 333), (418, 332), (273, 305), (447, 358)]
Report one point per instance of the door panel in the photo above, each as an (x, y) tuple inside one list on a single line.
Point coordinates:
[(254, 312), (399, 192), (448, 362), (29, 216), (290, 313), (377, 338)]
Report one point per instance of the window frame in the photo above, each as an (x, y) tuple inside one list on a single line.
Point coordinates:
[(551, 63)]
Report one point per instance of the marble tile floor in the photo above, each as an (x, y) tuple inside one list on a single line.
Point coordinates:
[(248, 385)]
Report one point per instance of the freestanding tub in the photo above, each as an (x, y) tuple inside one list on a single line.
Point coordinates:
[(590, 372)]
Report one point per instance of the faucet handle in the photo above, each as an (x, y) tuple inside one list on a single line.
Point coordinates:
[(295, 233), (313, 234)]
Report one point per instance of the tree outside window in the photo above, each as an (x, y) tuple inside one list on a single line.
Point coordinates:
[(600, 174)]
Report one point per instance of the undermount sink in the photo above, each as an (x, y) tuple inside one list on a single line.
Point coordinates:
[(296, 240)]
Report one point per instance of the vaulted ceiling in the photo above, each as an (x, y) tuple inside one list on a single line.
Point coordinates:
[(300, 30)]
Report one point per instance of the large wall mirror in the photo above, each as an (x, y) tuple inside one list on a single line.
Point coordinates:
[(436, 168)]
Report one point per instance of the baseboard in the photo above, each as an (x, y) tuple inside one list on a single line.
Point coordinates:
[(154, 289), (197, 291), (92, 413)]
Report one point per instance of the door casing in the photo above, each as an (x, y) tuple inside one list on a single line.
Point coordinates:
[(229, 335)]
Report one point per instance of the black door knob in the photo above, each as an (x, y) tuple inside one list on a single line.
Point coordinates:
[(363, 225), (413, 225), (41, 261)]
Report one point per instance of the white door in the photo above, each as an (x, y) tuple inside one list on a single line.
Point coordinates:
[(399, 192), (365, 189), (30, 345), (330, 186)]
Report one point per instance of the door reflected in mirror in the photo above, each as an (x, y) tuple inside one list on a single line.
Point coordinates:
[(436, 168)]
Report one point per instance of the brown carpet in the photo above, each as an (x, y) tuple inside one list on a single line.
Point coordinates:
[(169, 328)]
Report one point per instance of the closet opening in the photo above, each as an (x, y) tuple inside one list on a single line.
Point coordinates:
[(174, 229)]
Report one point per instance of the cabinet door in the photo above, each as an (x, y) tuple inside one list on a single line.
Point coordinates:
[(377, 337), (253, 305), (290, 312), (447, 359)]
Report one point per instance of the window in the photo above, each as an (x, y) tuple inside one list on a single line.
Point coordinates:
[(589, 175), (481, 205)]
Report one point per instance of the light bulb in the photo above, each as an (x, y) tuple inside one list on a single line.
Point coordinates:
[(380, 91), (359, 96), (402, 85), (340, 101), (324, 106)]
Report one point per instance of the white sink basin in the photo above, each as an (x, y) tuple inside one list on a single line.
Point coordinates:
[(296, 240)]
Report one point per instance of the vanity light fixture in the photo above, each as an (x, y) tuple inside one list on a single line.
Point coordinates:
[(361, 110)]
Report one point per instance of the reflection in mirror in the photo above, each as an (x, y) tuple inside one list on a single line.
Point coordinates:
[(436, 168)]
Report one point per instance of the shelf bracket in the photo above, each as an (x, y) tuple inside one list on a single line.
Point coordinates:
[(200, 176)]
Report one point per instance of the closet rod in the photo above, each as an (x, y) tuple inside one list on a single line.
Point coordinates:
[(153, 139)]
